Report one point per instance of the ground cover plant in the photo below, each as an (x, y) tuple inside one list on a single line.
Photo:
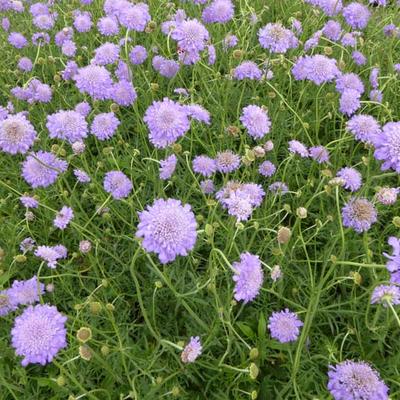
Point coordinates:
[(199, 199)]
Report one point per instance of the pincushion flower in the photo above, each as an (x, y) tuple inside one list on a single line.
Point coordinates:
[(387, 146), (256, 120), (285, 326), (276, 38)]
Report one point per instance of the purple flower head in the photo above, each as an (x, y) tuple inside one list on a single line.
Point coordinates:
[(359, 214), (219, 11), (204, 165), (27, 244), (276, 38), (17, 40), (191, 36), (83, 108), (356, 15), (387, 146), (63, 218), (29, 202), (65, 34), (82, 21), (247, 70), (78, 147), (67, 125), (248, 277), (296, 147), (198, 113), (349, 81), (39, 334), (81, 176), (318, 69), (349, 39), (254, 192), (351, 177), (267, 169), (25, 64), (358, 58), (17, 134), (278, 188), (108, 26), (212, 54), (296, 26), (227, 161), (117, 184), (6, 305), (313, 42), (207, 186), (373, 77), (104, 125), (168, 229), (167, 167), (71, 68), (166, 68), (256, 121), (192, 350), (384, 294), (44, 22), (387, 196), (364, 128), (376, 95), (332, 30), (94, 80), (285, 326), (167, 121), (135, 17), (330, 7), (26, 292), (239, 205), (5, 24), (138, 55), (41, 169), (352, 380), (51, 254), (123, 72), (107, 53), (123, 93), (319, 153), (393, 263), (349, 101), (230, 41)]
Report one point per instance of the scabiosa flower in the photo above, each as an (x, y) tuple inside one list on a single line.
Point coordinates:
[(332, 30), (66, 34), (207, 186), (82, 21), (117, 184), (104, 125), (351, 177), (17, 40), (276, 273), (313, 42), (318, 69), (138, 55), (364, 128), (94, 80), (71, 68), (351, 380), (373, 77), (278, 188), (349, 81), (26, 292), (67, 125), (68, 48), (358, 58), (376, 95), (248, 276), (78, 147), (192, 350), (25, 64), (387, 146), (167, 167), (134, 17), (349, 101), (17, 134), (219, 11), (256, 121), (267, 169), (384, 294), (191, 36), (83, 108), (6, 306), (123, 93), (166, 121), (26, 245), (198, 113), (108, 26), (212, 54), (359, 214), (166, 68), (331, 7), (276, 38), (387, 196), (349, 39), (254, 192), (204, 165), (168, 229), (5, 24), (230, 41), (41, 169), (63, 217), (122, 72), (29, 202), (81, 176), (296, 147), (39, 334), (239, 205), (319, 153), (227, 161), (356, 15), (285, 326), (247, 70), (107, 53), (85, 246)]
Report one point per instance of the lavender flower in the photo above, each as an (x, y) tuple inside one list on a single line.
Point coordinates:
[(247, 70), (387, 196), (219, 11), (108, 26), (17, 134), (256, 120), (198, 113), (94, 80), (83, 108), (359, 214), (167, 121), (358, 58), (393, 263), (6, 306), (123, 93), (387, 146), (351, 380), (276, 38), (63, 217), (284, 326), (17, 40), (351, 177), (82, 21), (364, 128), (227, 161), (278, 188), (349, 101), (239, 205), (117, 184), (204, 165), (41, 169), (81, 176), (135, 17), (138, 55), (168, 228), (356, 15), (318, 69), (104, 125), (376, 95), (29, 202), (207, 186), (296, 147), (67, 125), (27, 244), (319, 153), (192, 350), (51, 254), (384, 294), (26, 292), (107, 53), (349, 81), (39, 334), (167, 167), (248, 277), (25, 64), (332, 30), (267, 169)]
